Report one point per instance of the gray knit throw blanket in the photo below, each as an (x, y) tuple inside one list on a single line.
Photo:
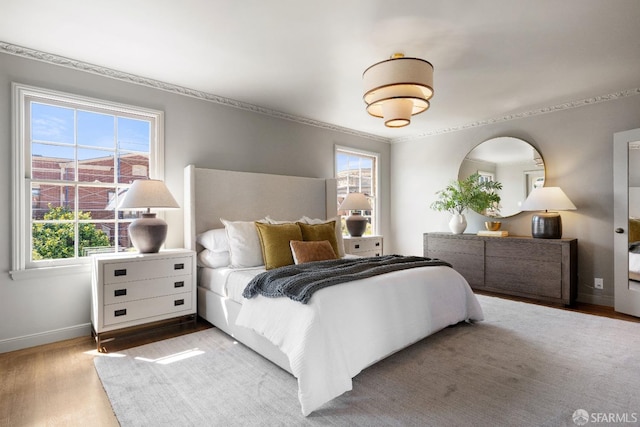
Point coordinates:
[(299, 282)]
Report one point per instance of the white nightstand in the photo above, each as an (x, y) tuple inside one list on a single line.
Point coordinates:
[(363, 246), (132, 289)]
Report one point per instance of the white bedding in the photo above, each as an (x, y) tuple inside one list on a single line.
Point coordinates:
[(634, 266), (228, 282), (347, 327)]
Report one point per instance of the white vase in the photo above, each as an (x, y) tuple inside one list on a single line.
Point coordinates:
[(458, 223)]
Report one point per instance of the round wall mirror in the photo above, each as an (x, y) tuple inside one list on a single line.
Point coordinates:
[(512, 162)]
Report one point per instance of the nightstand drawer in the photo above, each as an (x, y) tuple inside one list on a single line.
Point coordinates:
[(131, 271), (123, 292), (363, 246), (147, 308)]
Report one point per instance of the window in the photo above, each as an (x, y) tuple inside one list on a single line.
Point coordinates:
[(74, 158), (357, 171)]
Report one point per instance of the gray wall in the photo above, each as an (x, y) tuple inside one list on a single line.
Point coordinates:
[(577, 148), (196, 131)]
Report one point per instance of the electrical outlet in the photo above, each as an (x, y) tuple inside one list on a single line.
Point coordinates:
[(598, 283)]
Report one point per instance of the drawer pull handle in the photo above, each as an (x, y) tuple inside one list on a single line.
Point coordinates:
[(178, 302), (178, 285), (377, 243), (120, 272), (120, 292), (178, 266), (357, 246), (122, 312)]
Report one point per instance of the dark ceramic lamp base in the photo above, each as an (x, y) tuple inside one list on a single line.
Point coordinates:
[(356, 225), (546, 225)]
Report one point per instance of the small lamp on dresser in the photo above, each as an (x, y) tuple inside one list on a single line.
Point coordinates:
[(547, 225), (148, 233), (356, 223)]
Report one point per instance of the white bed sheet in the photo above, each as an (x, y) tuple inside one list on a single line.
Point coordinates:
[(634, 266), (346, 328)]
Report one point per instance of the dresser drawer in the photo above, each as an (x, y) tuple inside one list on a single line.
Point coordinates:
[(147, 308), (123, 292), (130, 271)]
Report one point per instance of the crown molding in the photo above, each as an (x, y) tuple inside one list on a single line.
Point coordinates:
[(181, 90), (559, 107), (168, 87)]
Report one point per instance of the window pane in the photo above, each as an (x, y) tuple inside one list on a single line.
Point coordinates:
[(134, 135), (96, 130), (132, 166), (52, 123), (124, 243), (94, 238), (94, 203), (52, 202), (52, 162), (96, 165), (52, 241), (355, 173)]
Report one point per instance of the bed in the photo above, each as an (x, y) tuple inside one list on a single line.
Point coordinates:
[(342, 329)]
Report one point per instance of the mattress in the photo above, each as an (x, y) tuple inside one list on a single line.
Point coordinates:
[(227, 282)]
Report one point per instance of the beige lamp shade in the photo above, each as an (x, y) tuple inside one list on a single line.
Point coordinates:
[(148, 233), (148, 193), (547, 225), (355, 202), (397, 89)]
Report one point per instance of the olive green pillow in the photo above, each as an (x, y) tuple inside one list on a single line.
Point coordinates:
[(315, 232), (274, 240)]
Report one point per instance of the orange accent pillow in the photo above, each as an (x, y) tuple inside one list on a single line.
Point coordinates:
[(319, 250)]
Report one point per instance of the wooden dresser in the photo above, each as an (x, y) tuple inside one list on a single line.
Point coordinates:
[(541, 269)]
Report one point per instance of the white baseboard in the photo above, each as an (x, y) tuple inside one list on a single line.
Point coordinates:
[(26, 341), (606, 300)]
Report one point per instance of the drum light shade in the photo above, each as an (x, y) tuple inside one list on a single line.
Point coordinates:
[(397, 89)]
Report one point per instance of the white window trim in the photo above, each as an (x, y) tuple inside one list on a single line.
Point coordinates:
[(375, 155), (21, 200)]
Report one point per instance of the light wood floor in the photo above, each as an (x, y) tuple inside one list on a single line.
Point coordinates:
[(57, 385)]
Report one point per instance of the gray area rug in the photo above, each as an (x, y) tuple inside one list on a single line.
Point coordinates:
[(526, 365)]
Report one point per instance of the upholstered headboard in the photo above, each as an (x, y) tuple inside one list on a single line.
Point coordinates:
[(211, 194)]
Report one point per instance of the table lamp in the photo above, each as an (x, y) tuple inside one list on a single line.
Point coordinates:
[(547, 225), (356, 223), (148, 233)]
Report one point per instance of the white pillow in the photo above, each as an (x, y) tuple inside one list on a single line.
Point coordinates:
[(213, 259), (275, 221), (244, 243), (338, 220), (215, 240)]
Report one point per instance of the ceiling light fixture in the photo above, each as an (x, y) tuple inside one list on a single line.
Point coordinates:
[(398, 88)]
